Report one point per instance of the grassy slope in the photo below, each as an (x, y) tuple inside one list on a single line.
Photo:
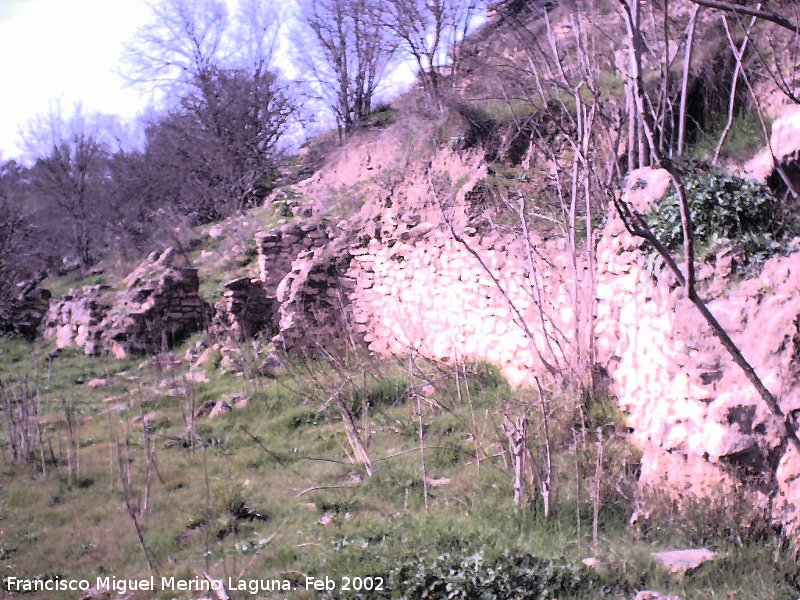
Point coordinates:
[(197, 517), (51, 526)]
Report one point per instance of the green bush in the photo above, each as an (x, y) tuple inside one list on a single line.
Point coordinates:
[(726, 211), (508, 576)]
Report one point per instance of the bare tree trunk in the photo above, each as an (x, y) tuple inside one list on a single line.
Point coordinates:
[(546, 483), (598, 472), (630, 107), (739, 9), (577, 490), (517, 434), (732, 98), (687, 64), (351, 430), (420, 433)]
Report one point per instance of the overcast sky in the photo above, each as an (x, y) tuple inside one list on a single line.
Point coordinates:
[(65, 50)]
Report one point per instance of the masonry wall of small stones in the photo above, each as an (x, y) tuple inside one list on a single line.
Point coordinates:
[(245, 309), (699, 422), (159, 305), (701, 425), (313, 299), (278, 248), (73, 318), (448, 300)]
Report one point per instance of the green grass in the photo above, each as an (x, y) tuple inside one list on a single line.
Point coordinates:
[(231, 503), (61, 284), (744, 139)]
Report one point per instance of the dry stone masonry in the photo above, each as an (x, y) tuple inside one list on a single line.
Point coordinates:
[(702, 427), (73, 318), (159, 305), (245, 309), (412, 273), (404, 283), (473, 298), (279, 247)]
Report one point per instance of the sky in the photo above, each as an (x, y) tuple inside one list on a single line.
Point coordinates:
[(65, 51), (68, 52)]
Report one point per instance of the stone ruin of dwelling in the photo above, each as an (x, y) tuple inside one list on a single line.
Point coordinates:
[(159, 305)]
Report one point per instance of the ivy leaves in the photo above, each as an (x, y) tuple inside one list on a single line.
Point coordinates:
[(726, 211)]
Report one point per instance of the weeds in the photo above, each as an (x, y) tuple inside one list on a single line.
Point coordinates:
[(282, 491)]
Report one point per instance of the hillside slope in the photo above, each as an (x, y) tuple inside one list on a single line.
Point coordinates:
[(444, 361)]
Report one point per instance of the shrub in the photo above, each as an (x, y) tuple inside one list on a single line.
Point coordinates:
[(508, 576), (726, 211)]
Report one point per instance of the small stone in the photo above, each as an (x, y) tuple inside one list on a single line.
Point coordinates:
[(592, 563), (650, 595), (271, 366), (221, 407), (196, 376), (684, 561)]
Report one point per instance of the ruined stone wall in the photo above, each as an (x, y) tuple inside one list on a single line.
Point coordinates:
[(314, 310), (278, 248), (699, 422), (73, 318), (159, 304), (701, 425), (473, 299), (245, 309)]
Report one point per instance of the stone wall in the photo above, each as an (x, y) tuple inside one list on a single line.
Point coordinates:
[(701, 425), (159, 305), (449, 299), (245, 309), (278, 248), (313, 299), (27, 311), (73, 318)]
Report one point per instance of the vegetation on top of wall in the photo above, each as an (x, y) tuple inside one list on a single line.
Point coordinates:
[(743, 140), (727, 212)]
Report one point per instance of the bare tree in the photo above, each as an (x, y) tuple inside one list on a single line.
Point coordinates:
[(71, 154), (180, 45), (13, 230), (214, 151), (428, 31), (756, 12), (349, 53)]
